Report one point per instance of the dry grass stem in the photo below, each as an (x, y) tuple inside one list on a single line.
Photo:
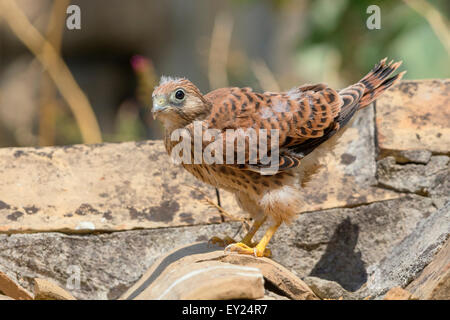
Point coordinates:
[(48, 103), (264, 76), (218, 53), (56, 68)]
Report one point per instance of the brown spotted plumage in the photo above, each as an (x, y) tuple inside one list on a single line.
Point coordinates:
[(308, 120)]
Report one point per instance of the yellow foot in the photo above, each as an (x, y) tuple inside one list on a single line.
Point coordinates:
[(242, 248)]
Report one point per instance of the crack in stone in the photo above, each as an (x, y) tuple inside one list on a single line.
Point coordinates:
[(310, 246)]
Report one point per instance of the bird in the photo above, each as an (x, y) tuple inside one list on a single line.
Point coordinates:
[(297, 128)]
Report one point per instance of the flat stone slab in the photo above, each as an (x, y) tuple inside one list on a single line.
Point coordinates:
[(86, 188), (341, 245), (398, 293), (432, 178), (326, 289), (410, 256), (414, 115), (434, 280), (95, 266), (47, 290), (348, 177), (193, 272), (12, 289)]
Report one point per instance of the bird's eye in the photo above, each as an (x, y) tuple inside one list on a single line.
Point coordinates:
[(179, 94)]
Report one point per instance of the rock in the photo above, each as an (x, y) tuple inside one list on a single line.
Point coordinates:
[(106, 187), (183, 261), (325, 289), (351, 164), (106, 264), (409, 257), (340, 244), (421, 179), (398, 293), (2, 297), (434, 281), (414, 115), (335, 244), (206, 281), (413, 156), (269, 295), (278, 278), (12, 289), (47, 290)]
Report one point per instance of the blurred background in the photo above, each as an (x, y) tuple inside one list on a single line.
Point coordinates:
[(61, 86)]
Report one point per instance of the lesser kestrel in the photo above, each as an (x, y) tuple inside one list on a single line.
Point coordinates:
[(307, 119)]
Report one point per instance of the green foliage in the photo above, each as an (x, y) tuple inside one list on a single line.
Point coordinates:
[(338, 28)]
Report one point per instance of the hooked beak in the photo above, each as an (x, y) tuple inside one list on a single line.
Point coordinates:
[(159, 104)]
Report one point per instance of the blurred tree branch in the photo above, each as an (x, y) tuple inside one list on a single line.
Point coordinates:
[(265, 77), (48, 102), (56, 68), (218, 53)]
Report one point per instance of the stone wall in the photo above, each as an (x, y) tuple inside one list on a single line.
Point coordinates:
[(378, 215)]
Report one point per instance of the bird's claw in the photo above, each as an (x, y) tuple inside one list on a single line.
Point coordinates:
[(242, 248)]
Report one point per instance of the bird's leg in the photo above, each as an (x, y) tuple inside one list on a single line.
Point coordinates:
[(247, 240), (254, 228), (260, 249)]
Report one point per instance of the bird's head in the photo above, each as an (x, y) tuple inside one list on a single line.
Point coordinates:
[(178, 102)]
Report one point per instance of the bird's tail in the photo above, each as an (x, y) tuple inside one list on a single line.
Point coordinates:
[(369, 88), (378, 80)]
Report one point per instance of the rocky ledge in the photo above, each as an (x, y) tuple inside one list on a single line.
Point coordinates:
[(95, 221)]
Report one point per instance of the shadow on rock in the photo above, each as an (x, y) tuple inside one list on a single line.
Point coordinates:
[(340, 262)]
